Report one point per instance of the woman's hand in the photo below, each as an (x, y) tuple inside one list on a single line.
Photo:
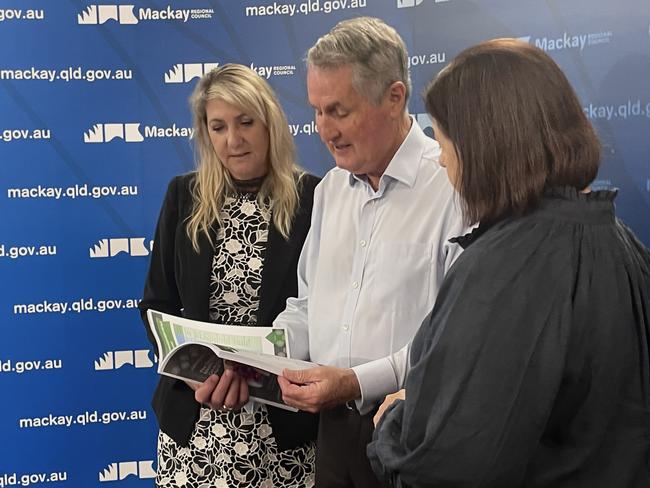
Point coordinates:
[(226, 392), (388, 401)]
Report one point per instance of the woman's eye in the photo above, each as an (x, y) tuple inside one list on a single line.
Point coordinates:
[(217, 128)]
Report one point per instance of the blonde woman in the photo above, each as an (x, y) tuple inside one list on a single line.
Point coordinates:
[(226, 250)]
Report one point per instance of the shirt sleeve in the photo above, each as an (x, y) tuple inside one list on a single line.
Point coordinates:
[(381, 377), (485, 369), (295, 317)]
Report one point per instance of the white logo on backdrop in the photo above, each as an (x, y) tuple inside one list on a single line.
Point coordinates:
[(414, 3), (98, 14), (116, 359), (108, 248), (123, 14), (119, 471), (569, 41), (131, 132), (108, 132), (186, 72)]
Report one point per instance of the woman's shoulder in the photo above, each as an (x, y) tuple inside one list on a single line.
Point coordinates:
[(179, 190), (183, 182), (307, 183)]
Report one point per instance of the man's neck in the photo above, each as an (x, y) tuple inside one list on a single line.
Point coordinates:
[(404, 126)]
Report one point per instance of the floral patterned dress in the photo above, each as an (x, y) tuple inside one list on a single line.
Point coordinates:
[(236, 448)]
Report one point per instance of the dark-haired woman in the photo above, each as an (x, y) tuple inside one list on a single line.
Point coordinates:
[(533, 369)]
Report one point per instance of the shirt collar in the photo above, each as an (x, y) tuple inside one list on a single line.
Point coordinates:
[(403, 167)]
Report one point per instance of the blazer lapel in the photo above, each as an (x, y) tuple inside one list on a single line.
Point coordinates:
[(277, 262), (201, 264)]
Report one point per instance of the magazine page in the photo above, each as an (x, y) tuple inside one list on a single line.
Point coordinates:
[(272, 364), (193, 362), (170, 331), (192, 351)]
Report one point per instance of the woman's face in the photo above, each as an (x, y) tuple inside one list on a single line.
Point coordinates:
[(448, 156), (240, 140)]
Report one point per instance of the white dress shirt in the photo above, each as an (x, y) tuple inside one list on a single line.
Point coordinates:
[(371, 267)]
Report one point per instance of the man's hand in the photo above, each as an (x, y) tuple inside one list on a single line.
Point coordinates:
[(388, 401), (228, 392), (316, 389)]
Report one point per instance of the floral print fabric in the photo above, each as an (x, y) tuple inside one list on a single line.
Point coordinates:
[(235, 449)]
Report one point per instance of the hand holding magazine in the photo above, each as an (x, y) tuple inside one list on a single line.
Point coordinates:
[(192, 351)]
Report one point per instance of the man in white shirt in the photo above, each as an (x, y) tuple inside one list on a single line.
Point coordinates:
[(378, 246)]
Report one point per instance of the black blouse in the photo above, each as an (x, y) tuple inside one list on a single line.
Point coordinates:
[(533, 369)]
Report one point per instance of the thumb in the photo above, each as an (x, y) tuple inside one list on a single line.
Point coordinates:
[(299, 376)]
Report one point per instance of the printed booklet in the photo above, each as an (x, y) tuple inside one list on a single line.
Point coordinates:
[(191, 350)]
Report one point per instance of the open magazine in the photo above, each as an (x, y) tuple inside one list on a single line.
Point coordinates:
[(191, 350)]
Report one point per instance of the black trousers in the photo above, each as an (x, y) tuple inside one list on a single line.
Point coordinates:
[(341, 459)]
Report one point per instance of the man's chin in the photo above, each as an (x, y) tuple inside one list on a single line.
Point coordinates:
[(346, 164)]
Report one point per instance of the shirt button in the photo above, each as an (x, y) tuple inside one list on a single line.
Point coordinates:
[(355, 285), (345, 327), (363, 243)]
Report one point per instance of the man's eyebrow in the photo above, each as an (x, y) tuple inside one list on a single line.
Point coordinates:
[(332, 107)]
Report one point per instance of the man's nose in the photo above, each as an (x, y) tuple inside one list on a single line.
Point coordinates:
[(327, 129)]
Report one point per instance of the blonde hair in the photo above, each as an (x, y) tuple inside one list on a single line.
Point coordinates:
[(241, 87)]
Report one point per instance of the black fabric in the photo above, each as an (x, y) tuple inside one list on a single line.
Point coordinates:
[(178, 283), (248, 186), (533, 369), (341, 460)]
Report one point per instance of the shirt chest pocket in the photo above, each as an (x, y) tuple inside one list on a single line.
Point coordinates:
[(401, 276)]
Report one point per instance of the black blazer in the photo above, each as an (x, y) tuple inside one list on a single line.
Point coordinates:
[(178, 283)]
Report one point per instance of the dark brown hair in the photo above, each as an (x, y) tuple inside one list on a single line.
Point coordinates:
[(517, 127)]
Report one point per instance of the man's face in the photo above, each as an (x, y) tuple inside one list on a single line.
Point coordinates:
[(360, 135)]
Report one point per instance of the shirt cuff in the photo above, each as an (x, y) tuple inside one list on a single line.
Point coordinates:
[(376, 380)]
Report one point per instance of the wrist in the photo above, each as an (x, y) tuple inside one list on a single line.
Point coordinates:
[(352, 386)]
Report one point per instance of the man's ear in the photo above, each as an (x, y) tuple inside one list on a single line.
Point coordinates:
[(396, 97)]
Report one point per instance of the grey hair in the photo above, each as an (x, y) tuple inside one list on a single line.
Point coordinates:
[(375, 51)]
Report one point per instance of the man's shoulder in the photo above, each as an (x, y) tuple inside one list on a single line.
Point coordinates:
[(335, 179)]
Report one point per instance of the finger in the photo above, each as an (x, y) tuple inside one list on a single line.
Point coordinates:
[(378, 415), (221, 389), (303, 397), (232, 395), (204, 391), (243, 394), (288, 388), (301, 376)]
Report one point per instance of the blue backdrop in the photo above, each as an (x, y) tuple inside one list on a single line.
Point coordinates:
[(94, 121)]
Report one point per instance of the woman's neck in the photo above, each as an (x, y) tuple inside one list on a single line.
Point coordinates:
[(251, 185)]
